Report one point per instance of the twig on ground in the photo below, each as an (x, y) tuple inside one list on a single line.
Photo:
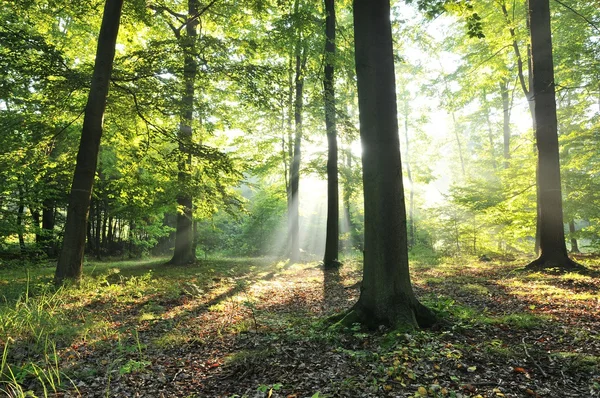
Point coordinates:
[(533, 360)]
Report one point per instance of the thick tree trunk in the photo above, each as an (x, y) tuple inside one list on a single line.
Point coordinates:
[(184, 234), (333, 207), (552, 236), (386, 295), (70, 262)]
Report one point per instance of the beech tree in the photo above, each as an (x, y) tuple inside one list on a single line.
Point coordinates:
[(553, 250), (333, 207), (386, 294), (70, 261)]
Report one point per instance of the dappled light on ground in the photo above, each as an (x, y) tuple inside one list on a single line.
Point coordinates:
[(255, 328)]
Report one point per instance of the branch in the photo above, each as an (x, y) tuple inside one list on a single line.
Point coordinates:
[(579, 15), (198, 15), (517, 51)]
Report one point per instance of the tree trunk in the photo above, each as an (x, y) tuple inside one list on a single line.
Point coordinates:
[(48, 243), (553, 250), (527, 87), (301, 55), (458, 144), (411, 198), (184, 234), (574, 245), (506, 121), (104, 223), (98, 230), (70, 262), (110, 235), (386, 294), (486, 110), (20, 227), (333, 207), (346, 196), (90, 228), (36, 218)]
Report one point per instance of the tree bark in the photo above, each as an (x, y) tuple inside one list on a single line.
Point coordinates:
[(553, 250), (301, 55), (36, 218), (20, 227), (506, 121), (70, 262), (184, 234), (574, 245), (98, 230), (411, 197), (332, 239), (486, 110), (386, 294), (48, 243)]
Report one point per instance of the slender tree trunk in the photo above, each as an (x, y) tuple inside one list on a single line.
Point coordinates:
[(48, 242), (347, 194), (184, 235), (386, 294), (70, 262), (36, 218), (130, 238), (333, 202), (411, 198), (98, 232), (20, 227), (527, 87), (458, 144), (574, 245), (104, 223), (486, 110), (506, 121), (552, 237), (110, 235), (90, 228), (295, 169)]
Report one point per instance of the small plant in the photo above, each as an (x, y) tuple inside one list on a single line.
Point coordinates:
[(268, 389), (133, 366)]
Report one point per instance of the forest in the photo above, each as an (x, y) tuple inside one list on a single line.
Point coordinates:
[(299, 198)]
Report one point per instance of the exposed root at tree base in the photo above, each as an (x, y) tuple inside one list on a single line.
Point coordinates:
[(333, 264), (563, 265), (417, 316)]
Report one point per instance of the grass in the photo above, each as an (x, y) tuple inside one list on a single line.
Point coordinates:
[(126, 314)]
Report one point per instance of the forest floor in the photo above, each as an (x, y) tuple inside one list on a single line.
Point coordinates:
[(255, 328)]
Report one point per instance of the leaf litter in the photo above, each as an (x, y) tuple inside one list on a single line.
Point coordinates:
[(503, 332)]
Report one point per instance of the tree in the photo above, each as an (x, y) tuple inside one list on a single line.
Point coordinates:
[(184, 234), (553, 250), (333, 207), (386, 294), (70, 262)]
